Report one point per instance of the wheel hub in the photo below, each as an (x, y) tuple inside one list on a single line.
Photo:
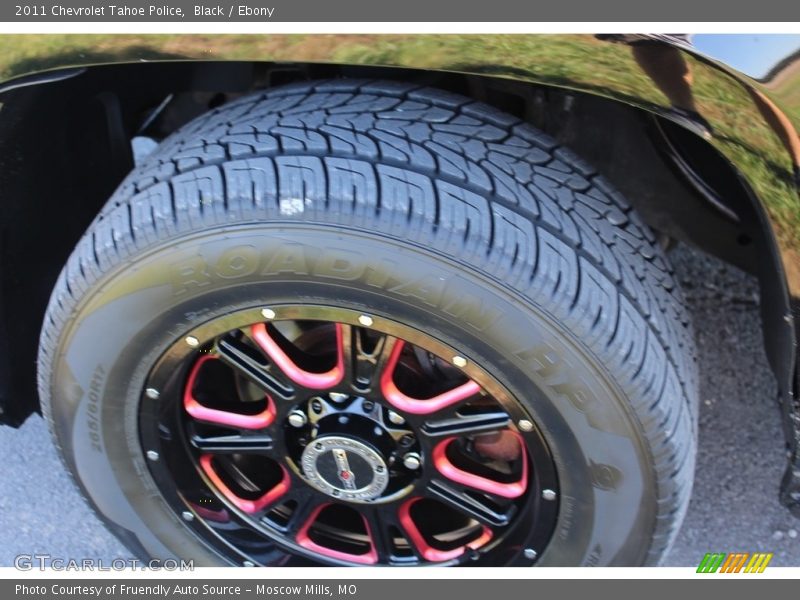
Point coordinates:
[(345, 440), (345, 468), (349, 448)]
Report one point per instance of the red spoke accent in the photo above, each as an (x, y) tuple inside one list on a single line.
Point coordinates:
[(223, 417), (243, 504), (427, 551), (368, 558), (314, 381), (483, 484), (418, 406)]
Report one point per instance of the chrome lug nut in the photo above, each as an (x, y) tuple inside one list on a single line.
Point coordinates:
[(337, 396), (548, 494), (530, 553), (187, 516), (525, 425), (395, 418), (152, 393), (152, 455), (297, 418), (411, 461), (268, 313), (460, 361), (192, 341), (366, 320)]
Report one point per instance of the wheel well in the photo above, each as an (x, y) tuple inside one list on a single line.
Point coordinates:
[(65, 146)]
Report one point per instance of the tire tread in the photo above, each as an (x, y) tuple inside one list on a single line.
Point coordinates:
[(437, 169)]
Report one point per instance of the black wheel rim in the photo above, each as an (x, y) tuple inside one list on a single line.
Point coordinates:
[(298, 435)]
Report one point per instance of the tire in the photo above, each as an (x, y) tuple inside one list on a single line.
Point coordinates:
[(404, 203)]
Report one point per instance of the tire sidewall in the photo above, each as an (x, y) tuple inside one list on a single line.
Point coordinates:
[(128, 319)]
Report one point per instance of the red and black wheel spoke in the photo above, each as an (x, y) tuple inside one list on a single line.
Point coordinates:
[(344, 443), (430, 543), (414, 404), (356, 548), (240, 488), (481, 473), (223, 442), (479, 421), (294, 512), (269, 340), (367, 354), (235, 352), (468, 485), (220, 404), (383, 528), (486, 509), (472, 472)]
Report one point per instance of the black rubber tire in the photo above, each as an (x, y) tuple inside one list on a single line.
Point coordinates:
[(440, 212)]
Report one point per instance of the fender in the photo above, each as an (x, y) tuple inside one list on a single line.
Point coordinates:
[(739, 109)]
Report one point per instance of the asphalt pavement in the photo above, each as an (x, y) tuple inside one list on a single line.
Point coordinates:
[(734, 507)]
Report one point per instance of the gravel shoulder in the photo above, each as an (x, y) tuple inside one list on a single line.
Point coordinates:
[(741, 458)]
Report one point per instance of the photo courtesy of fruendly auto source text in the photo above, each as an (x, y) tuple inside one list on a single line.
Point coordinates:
[(370, 300)]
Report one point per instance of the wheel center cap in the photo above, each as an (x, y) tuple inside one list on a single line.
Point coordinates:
[(345, 468)]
